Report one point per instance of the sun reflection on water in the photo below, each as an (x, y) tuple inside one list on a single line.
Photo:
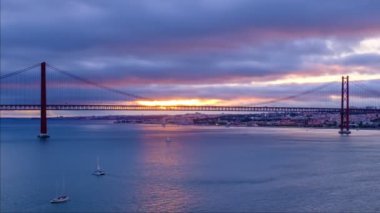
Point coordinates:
[(162, 188)]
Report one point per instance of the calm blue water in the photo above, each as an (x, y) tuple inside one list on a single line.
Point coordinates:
[(202, 169)]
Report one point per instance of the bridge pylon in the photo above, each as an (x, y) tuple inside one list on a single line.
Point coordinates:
[(43, 118), (345, 107)]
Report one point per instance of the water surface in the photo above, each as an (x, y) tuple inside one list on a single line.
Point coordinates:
[(212, 169)]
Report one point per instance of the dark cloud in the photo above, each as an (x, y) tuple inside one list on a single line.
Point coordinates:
[(363, 60)]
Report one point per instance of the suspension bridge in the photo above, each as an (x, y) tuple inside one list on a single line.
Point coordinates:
[(67, 92)]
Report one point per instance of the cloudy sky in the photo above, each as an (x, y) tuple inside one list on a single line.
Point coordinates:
[(200, 51)]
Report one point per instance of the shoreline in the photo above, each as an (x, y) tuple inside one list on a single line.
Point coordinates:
[(192, 125)]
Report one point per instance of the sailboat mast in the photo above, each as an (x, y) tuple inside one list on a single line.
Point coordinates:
[(63, 186), (56, 187), (97, 163)]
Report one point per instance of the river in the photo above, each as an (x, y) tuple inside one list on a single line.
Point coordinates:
[(213, 169)]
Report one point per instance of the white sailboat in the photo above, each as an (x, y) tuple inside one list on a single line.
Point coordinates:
[(99, 171), (60, 198)]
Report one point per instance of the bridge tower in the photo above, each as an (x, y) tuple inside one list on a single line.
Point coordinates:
[(43, 119), (345, 107)]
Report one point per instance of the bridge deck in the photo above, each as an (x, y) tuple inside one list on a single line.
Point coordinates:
[(183, 108)]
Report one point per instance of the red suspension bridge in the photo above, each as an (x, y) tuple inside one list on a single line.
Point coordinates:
[(343, 108)]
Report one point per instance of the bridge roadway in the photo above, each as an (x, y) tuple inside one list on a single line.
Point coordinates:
[(183, 108)]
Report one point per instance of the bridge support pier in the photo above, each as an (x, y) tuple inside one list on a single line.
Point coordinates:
[(43, 119), (345, 107)]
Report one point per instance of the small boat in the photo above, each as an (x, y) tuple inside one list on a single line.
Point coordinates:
[(61, 198), (168, 139), (99, 171)]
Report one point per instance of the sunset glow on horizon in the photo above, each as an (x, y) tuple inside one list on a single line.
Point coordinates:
[(179, 102)]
